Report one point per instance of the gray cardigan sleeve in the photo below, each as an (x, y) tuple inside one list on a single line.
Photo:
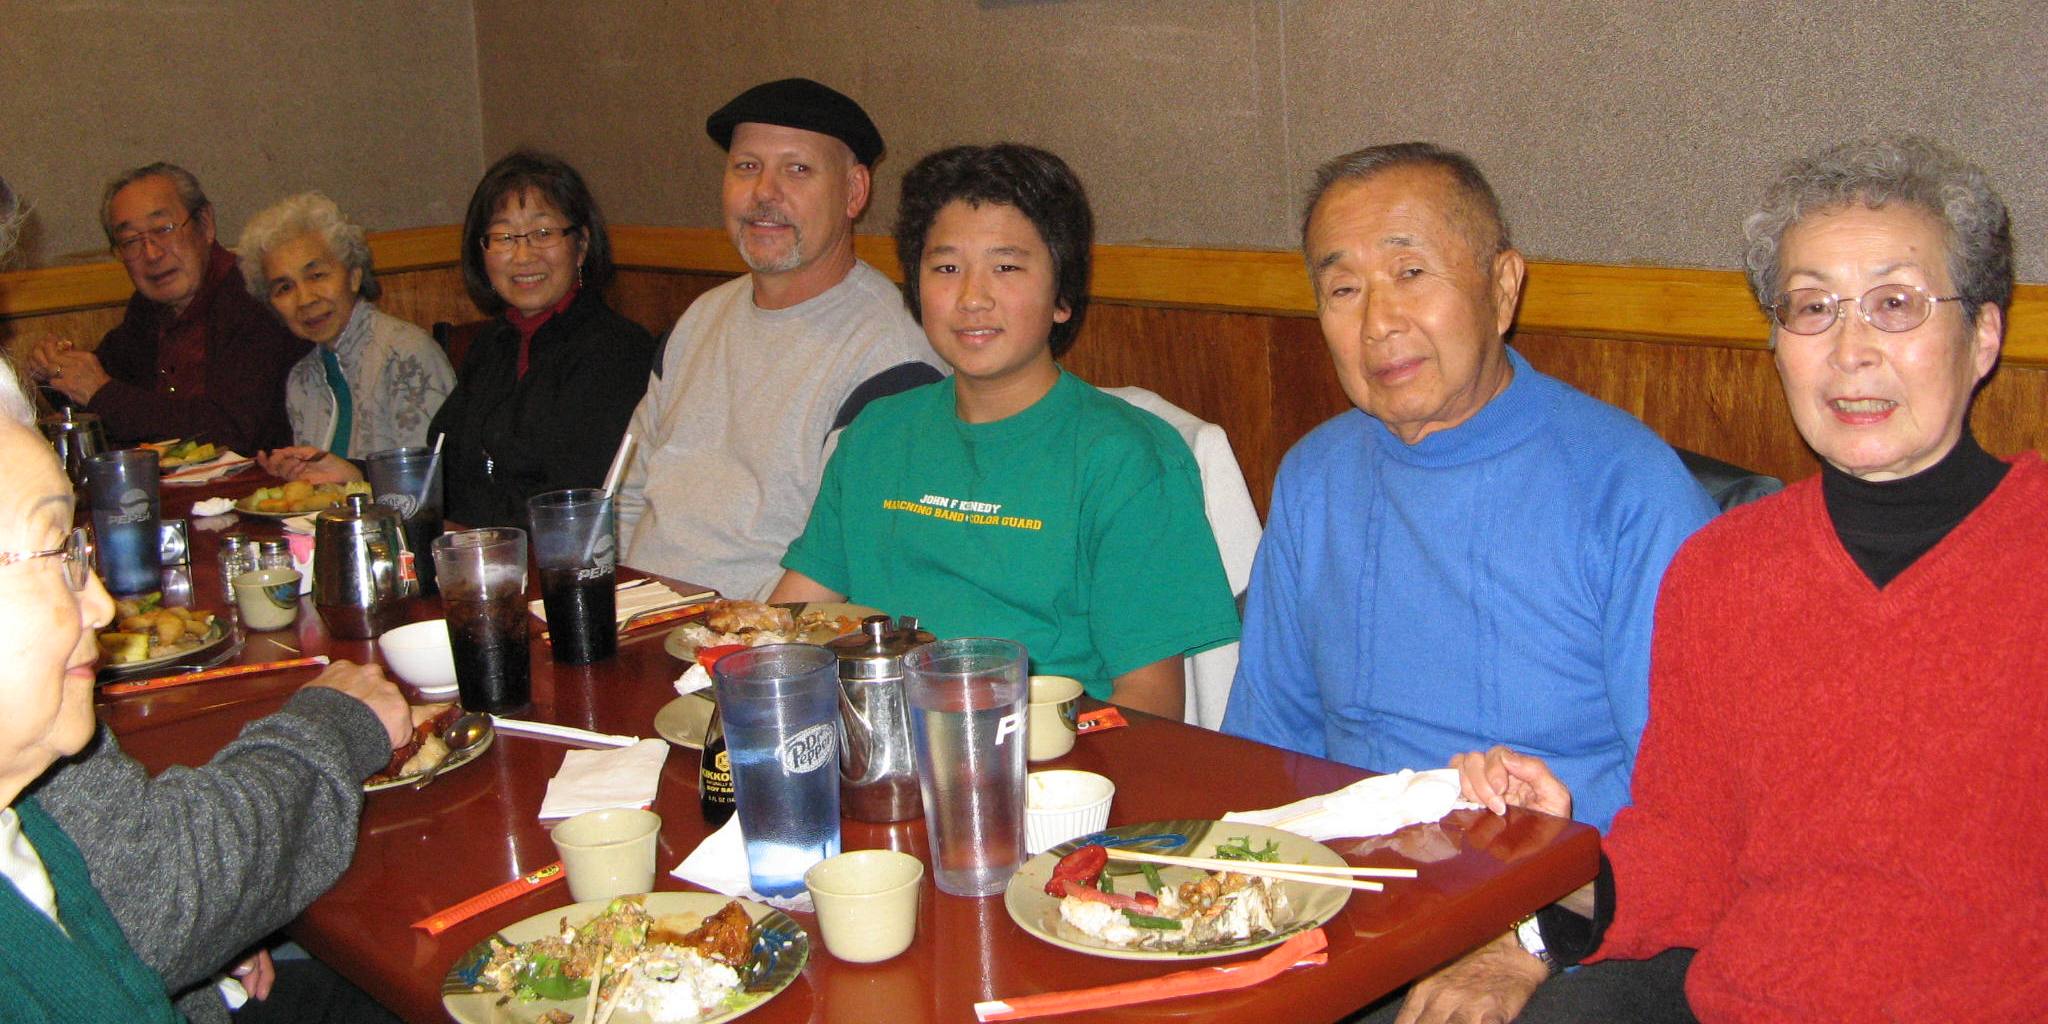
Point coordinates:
[(198, 863)]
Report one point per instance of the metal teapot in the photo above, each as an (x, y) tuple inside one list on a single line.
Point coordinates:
[(77, 437), (877, 767), (357, 555)]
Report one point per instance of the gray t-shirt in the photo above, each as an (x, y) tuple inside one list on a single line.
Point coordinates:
[(732, 433)]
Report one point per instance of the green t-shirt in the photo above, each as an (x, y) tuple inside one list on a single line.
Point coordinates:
[(1074, 527)]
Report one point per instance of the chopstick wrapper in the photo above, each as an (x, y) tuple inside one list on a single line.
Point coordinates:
[(442, 920), (208, 675), (719, 863), (206, 472), (1368, 807), (563, 732), (592, 780), (638, 599), (1304, 950)]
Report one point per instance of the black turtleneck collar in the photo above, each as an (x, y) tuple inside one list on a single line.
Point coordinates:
[(1886, 525)]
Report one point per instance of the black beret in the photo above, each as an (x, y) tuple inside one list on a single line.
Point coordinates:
[(799, 103)]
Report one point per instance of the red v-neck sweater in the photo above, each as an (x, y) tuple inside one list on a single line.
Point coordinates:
[(1838, 798)]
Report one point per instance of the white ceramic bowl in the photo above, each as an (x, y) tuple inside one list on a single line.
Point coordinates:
[(419, 653), (1063, 804)]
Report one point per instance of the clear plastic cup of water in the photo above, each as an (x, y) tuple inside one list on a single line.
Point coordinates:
[(968, 700), (780, 707)]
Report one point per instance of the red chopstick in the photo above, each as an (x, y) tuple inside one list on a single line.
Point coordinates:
[(209, 675), (441, 921), (1304, 950)]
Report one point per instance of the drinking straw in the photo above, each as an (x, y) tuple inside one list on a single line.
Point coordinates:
[(611, 476), (433, 466)]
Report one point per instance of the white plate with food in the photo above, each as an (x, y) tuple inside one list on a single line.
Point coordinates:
[(297, 498), (146, 633), (1176, 913), (752, 623), (426, 749), (686, 956)]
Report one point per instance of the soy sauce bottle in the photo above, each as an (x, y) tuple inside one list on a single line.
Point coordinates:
[(714, 774)]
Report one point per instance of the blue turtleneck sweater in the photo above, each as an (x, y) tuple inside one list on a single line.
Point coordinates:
[(1491, 583)]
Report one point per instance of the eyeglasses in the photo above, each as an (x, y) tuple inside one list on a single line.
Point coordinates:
[(538, 238), (76, 551), (1888, 307), (129, 247)]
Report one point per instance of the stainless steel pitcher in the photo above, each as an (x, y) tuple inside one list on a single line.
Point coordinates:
[(877, 767), (77, 436), (356, 554)]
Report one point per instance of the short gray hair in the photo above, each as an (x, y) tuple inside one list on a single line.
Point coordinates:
[(1874, 172), (293, 217), (1363, 164), (14, 401), (189, 192)]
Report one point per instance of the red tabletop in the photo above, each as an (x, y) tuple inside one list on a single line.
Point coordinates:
[(421, 851)]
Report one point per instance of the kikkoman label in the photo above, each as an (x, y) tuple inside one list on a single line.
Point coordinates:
[(810, 749)]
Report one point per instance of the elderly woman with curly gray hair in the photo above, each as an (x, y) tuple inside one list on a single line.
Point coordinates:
[(372, 381), (1835, 810)]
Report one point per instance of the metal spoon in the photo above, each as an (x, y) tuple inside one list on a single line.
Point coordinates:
[(465, 732)]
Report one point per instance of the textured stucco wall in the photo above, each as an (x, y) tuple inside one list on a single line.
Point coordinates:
[(1617, 132), (372, 101)]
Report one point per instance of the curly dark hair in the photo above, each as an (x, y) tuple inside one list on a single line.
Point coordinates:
[(1036, 183), (555, 180)]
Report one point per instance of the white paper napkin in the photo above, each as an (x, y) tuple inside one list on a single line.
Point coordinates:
[(719, 863), (640, 597), (693, 679), (592, 780), (1368, 807), (206, 507)]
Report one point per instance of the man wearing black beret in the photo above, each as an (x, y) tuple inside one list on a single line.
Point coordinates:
[(760, 372)]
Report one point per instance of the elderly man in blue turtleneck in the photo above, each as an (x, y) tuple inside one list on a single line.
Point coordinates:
[(1471, 556)]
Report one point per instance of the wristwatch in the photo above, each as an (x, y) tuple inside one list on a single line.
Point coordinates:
[(1529, 933)]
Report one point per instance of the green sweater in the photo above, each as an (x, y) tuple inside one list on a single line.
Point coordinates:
[(87, 975)]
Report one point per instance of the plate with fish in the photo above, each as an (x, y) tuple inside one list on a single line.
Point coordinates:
[(1132, 911)]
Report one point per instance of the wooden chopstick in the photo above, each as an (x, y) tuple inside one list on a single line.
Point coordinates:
[(1314, 874)]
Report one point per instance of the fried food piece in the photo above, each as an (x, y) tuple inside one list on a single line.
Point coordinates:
[(426, 748), (727, 936)]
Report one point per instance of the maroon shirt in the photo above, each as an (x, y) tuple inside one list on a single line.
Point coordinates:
[(216, 372)]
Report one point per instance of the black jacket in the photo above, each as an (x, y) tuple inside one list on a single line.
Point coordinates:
[(510, 438)]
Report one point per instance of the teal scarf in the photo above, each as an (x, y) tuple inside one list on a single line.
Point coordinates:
[(344, 405), (89, 976)]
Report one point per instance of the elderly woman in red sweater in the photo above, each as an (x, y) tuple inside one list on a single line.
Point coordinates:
[(1835, 816)]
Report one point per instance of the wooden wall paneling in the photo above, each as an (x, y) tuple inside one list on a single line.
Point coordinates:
[(655, 299), (1306, 391), (427, 295), (2008, 417), (1718, 401), (84, 327)]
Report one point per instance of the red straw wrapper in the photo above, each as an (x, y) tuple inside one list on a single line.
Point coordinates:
[(1100, 719), (226, 672), (1305, 949), (441, 921)]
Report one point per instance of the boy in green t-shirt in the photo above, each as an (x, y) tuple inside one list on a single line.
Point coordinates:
[(1013, 499)]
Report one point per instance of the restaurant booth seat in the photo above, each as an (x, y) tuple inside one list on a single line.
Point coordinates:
[(1235, 522), (455, 339), (1727, 483)]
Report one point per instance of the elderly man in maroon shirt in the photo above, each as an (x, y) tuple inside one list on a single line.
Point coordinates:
[(196, 356)]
